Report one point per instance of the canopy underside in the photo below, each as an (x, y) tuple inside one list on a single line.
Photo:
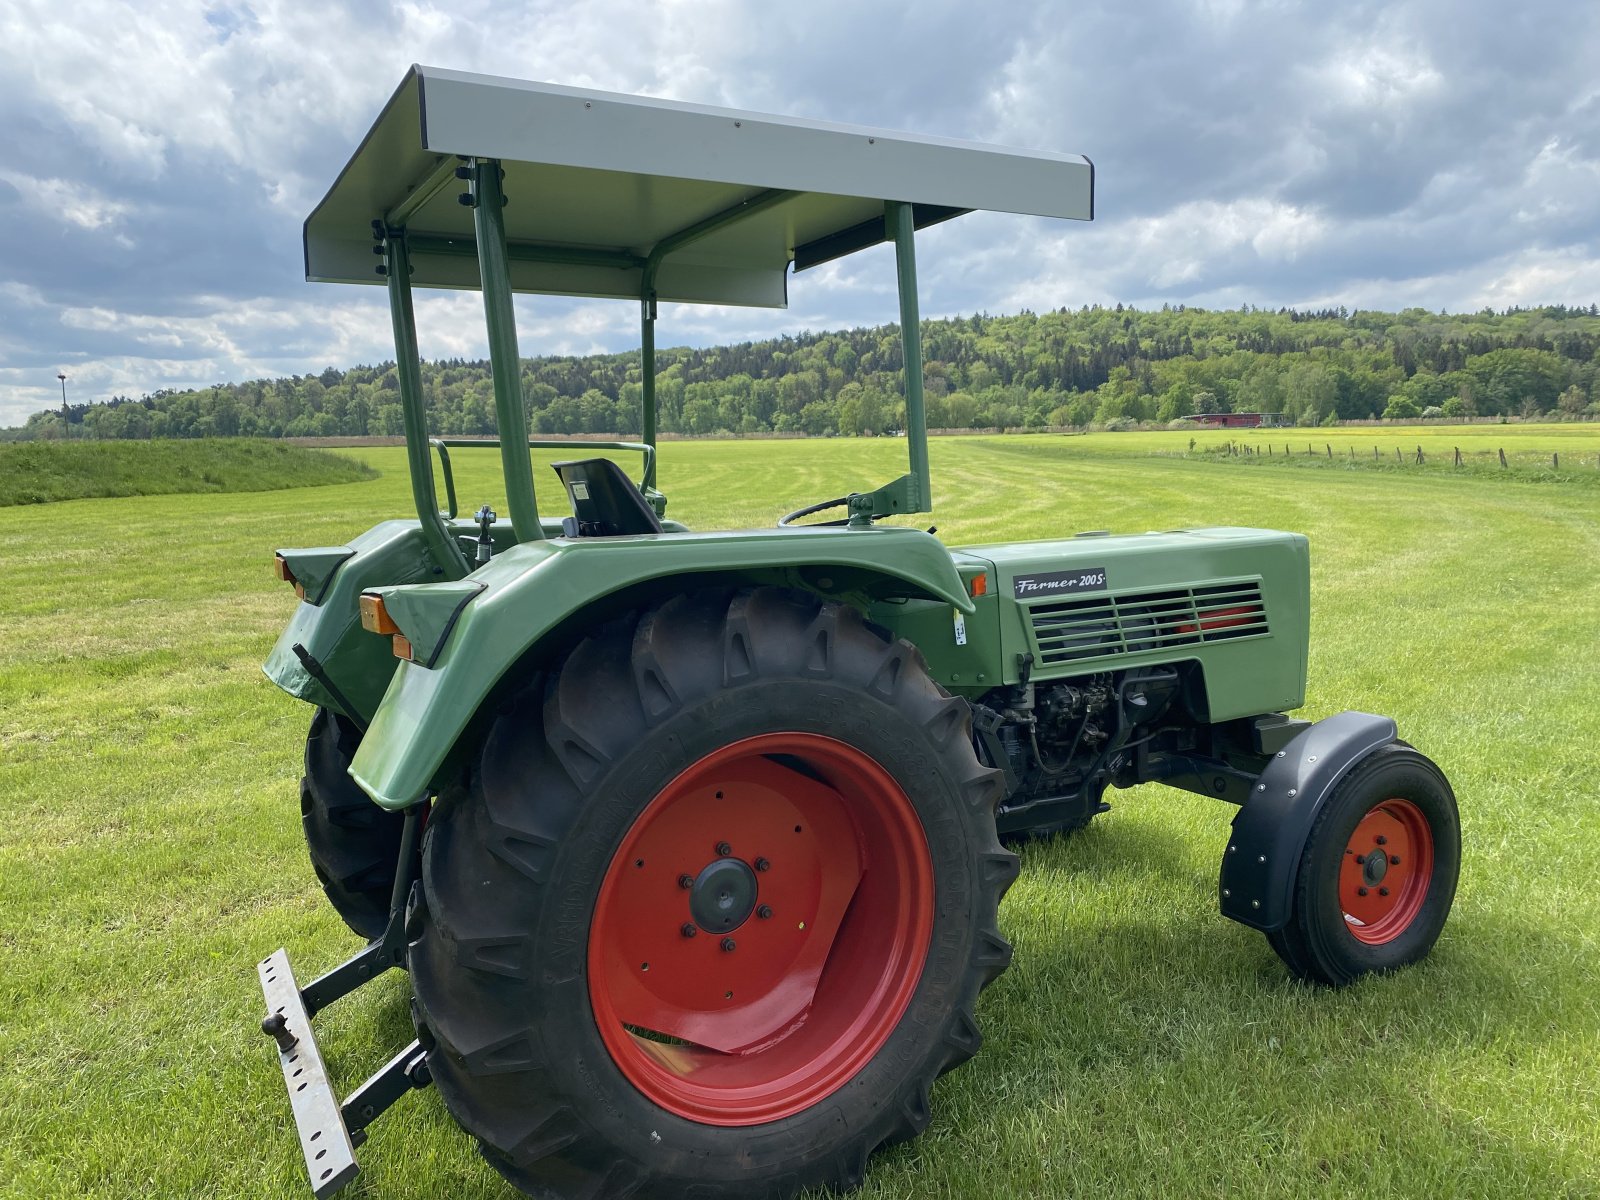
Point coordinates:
[(594, 181)]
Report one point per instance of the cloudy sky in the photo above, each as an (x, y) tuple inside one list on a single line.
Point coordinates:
[(157, 160)]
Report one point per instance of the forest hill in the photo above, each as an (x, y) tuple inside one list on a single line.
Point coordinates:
[(1063, 368)]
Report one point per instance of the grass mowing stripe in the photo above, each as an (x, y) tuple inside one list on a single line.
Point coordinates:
[(1140, 1044)]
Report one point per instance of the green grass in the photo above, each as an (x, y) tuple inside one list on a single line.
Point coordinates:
[(39, 472), (1140, 1045)]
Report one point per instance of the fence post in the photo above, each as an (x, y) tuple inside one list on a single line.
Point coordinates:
[(1555, 462), (1398, 457), (1374, 453), (1458, 456), (1420, 459), (1502, 457), (1329, 446)]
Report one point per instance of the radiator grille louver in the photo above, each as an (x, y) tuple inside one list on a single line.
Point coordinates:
[(1108, 626)]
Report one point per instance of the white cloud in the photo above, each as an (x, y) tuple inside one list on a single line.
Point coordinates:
[(162, 154)]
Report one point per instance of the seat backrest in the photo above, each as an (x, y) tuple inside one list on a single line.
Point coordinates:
[(605, 502)]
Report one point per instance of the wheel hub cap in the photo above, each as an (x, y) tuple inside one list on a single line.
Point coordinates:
[(723, 896), (1388, 866)]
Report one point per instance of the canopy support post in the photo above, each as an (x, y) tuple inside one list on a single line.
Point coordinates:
[(647, 382), (912, 492), (408, 371), (505, 363), (899, 218)]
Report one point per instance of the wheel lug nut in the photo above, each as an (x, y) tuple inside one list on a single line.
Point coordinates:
[(1383, 891), (728, 944), (1394, 860), (764, 912), (688, 929), (686, 882), (1382, 841), (724, 849), (1360, 861), (762, 864), (1361, 891)]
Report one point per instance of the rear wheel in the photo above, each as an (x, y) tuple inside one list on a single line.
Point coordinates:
[(1378, 872), (354, 844), (712, 913)]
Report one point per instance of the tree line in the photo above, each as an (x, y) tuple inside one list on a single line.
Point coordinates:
[(1092, 366)]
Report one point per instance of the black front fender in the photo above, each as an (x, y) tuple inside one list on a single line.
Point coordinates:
[(1269, 831)]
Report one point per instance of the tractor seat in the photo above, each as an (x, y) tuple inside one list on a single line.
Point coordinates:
[(605, 502)]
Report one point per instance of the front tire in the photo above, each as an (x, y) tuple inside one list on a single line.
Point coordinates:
[(1378, 872), (774, 774)]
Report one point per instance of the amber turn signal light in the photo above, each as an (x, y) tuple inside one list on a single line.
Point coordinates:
[(979, 585), (375, 618)]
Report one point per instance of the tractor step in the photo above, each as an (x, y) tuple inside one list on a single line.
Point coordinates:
[(330, 1153)]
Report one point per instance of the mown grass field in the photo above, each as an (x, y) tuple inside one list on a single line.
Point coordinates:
[(41, 472), (1140, 1045)]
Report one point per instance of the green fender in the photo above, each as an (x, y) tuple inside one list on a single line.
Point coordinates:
[(532, 588), (328, 622)]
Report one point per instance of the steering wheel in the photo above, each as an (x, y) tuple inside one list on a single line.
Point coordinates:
[(788, 521)]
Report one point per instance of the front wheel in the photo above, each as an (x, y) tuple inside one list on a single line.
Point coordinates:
[(714, 910), (1378, 871)]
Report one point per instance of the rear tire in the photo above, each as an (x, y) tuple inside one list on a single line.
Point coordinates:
[(354, 844), (1378, 872), (696, 742)]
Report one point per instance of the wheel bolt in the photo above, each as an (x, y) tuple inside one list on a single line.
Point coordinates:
[(724, 849), (764, 912), (1394, 860), (1383, 891), (1361, 891), (686, 882), (728, 944), (1360, 861), (1382, 841), (688, 929), (762, 864)]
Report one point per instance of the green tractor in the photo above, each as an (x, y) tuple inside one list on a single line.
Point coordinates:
[(693, 843)]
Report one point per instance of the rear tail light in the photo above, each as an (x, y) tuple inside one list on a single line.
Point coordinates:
[(375, 618)]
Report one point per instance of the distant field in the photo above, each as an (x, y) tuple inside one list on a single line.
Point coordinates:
[(1140, 1045), (39, 472)]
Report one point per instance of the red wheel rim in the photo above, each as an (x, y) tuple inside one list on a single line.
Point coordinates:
[(758, 1021), (1388, 863)]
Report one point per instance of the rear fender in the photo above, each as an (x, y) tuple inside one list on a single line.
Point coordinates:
[(330, 629), (1270, 829), (544, 590)]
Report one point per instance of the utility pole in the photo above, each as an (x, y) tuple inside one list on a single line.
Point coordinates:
[(61, 375)]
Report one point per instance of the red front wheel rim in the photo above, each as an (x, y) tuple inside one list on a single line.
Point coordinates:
[(761, 929), (1384, 876)]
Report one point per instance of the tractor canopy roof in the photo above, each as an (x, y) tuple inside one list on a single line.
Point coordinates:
[(597, 183)]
